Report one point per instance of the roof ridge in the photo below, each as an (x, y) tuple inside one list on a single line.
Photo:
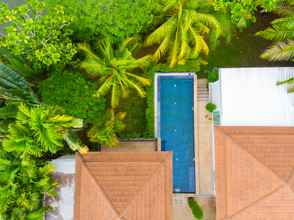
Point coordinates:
[(290, 178), (260, 162), (101, 188), (263, 165), (256, 201), (141, 189)]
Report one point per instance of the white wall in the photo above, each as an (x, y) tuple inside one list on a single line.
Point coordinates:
[(250, 96)]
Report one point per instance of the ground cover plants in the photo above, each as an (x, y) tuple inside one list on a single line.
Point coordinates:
[(81, 72)]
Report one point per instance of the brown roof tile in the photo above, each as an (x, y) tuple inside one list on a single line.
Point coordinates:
[(123, 186), (254, 173)]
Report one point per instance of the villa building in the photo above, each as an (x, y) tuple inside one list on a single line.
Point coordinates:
[(254, 173), (124, 186)]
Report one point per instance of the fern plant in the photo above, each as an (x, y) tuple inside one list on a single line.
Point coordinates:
[(115, 69), (183, 34)]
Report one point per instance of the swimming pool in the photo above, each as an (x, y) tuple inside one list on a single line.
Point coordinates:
[(174, 97)]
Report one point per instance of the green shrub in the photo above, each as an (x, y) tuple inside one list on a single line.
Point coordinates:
[(25, 176), (74, 93), (149, 112), (212, 75), (116, 19), (196, 209), (41, 36), (135, 120), (243, 12), (210, 107), (106, 134), (23, 185)]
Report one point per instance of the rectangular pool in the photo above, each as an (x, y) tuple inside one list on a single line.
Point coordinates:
[(174, 97)]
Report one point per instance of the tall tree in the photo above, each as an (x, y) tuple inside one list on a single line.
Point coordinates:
[(282, 33), (184, 32), (115, 69)]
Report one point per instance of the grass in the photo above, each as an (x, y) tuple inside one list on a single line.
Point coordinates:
[(245, 48), (135, 120)]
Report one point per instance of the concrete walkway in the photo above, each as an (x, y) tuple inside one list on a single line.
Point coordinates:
[(181, 210), (204, 140)]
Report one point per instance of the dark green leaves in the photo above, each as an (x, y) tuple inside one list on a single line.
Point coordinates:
[(243, 12), (115, 19), (195, 208), (14, 87), (75, 94)]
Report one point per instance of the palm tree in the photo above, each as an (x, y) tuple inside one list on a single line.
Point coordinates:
[(38, 130), (115, 69), (184, 33), (282, 31), (14, 89), (289, 83)]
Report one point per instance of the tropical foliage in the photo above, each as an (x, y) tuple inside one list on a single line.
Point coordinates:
[(282, 32), (183, 34), (243, 12), (17, 63), (106, 134), (40, 36), (14, 87), (64, 61), (115, 69), (115, 19), (210, 107), (196, 209), (23, 184), (24, 175), (74, 94), (289, 83), (37, 130)]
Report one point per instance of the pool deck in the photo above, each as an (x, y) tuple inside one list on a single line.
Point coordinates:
[(204, 144)]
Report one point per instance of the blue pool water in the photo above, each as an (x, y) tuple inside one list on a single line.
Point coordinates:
[(176, 127)]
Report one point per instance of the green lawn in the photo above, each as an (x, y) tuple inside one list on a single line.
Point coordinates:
[(245, 48)]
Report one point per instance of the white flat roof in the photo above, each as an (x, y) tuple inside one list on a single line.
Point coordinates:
[(250, 96)]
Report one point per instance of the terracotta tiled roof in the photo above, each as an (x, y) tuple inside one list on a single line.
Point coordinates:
[(255, 173), (123, 186)]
